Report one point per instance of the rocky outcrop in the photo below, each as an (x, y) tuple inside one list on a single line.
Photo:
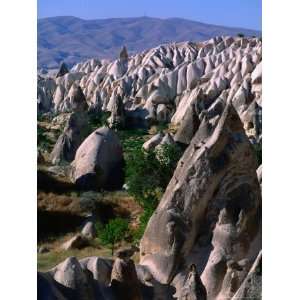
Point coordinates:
[(98, 161), (89, 231), (63, 70), (193, 288), (75, 131), (251, 288), (76, 242), (160, 84), (124, 280), (211, 212)]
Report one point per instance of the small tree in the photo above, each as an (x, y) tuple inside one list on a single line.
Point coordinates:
[(113, 232), (241, 35)]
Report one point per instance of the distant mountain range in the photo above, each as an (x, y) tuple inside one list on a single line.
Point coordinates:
[(72, 40)]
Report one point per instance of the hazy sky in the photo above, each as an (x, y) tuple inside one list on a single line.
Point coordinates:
[(237, 13)]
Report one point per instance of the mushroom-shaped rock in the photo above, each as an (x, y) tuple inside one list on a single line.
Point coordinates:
[(217, 170), (99, 161), (63, 69), (193, 288), (75, 131)]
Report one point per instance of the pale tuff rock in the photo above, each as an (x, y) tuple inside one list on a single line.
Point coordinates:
[(75, 131), (45, 90), (98, 161), (76, 242), (168, 74), (251, 287), (213, 173), (193, 288), (124, 280), (89, 231), (99, 267), (153, 142)]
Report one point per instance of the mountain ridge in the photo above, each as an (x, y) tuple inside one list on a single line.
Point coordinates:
[(72, 39)]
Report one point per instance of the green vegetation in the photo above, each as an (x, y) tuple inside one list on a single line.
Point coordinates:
[(240, 35), (97, 120), (113, 232), (43, 142), (147, 175)]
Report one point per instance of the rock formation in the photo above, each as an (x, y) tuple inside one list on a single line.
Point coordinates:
[(211, 211), (161, 84), (124, 279), (193, 288), (209, 218), (75, 131), (63, 70), (98, 161)]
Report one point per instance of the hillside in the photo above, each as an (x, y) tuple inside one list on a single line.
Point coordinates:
[(73, 40)]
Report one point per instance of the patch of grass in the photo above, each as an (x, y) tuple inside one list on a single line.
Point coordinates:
[(46, 261), (43, 141)]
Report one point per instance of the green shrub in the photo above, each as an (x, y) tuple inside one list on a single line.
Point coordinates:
[(97, 120), (148, 173), (43, 142), (147, 176), (112, 232), (240, 35)]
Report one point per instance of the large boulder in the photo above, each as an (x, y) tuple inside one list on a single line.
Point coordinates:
[(70, 275), (75, 131), (99, 161), (210, 212)]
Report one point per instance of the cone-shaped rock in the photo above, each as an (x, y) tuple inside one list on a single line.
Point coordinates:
[(211, 205), (63, 69)]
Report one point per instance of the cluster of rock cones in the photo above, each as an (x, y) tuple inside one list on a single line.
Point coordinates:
[(204, 239)]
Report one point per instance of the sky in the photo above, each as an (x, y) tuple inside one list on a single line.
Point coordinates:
[(235, 13)]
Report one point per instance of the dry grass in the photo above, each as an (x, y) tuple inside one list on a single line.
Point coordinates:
[(47, 261)]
